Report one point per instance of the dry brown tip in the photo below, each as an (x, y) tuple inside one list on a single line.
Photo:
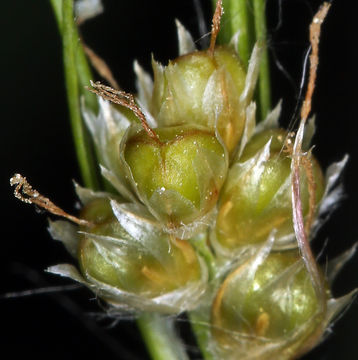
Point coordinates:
[(315, 31), (100, 65), (215, 27), (124, 99), (24, 192)]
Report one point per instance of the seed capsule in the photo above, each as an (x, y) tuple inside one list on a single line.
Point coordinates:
[(202, 88), (109, 255), (257, 195), (178, 177), (266, 311)]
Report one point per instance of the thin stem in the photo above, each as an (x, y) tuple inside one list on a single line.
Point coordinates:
[(84, 77), (247, 17), (202, 333), (57, 9), (237, 18), (82, 65), (200, 243), (65, 19), (264, 86), (160, 338)]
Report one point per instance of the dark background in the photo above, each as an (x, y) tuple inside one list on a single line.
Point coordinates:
[(36, 141)]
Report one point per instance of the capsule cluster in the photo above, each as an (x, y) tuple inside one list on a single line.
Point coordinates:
[(192, 170)]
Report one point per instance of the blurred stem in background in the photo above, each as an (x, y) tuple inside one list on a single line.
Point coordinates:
[(248, 19)]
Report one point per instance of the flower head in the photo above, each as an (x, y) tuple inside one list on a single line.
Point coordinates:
[(206, 211)]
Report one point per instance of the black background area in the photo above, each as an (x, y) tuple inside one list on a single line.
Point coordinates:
[(36, 141)]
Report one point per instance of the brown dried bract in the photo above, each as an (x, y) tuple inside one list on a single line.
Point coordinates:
[(101, 66), (215, 27), (315, 31), (297, 155), (308, 166), (24, 192), (124, 99)]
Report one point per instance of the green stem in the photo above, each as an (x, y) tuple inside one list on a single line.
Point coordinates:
[(249, 18), (264, 86), (199, 320), (200, 243), (201, 329), (77, 73), (82, 65), (237, 18), (160, 338), (84, 77), (57, 9)]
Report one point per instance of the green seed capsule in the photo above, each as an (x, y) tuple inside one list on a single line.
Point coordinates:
[(257, 196), (266, 312), (178, 177), (108, 254), (202, 88)]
